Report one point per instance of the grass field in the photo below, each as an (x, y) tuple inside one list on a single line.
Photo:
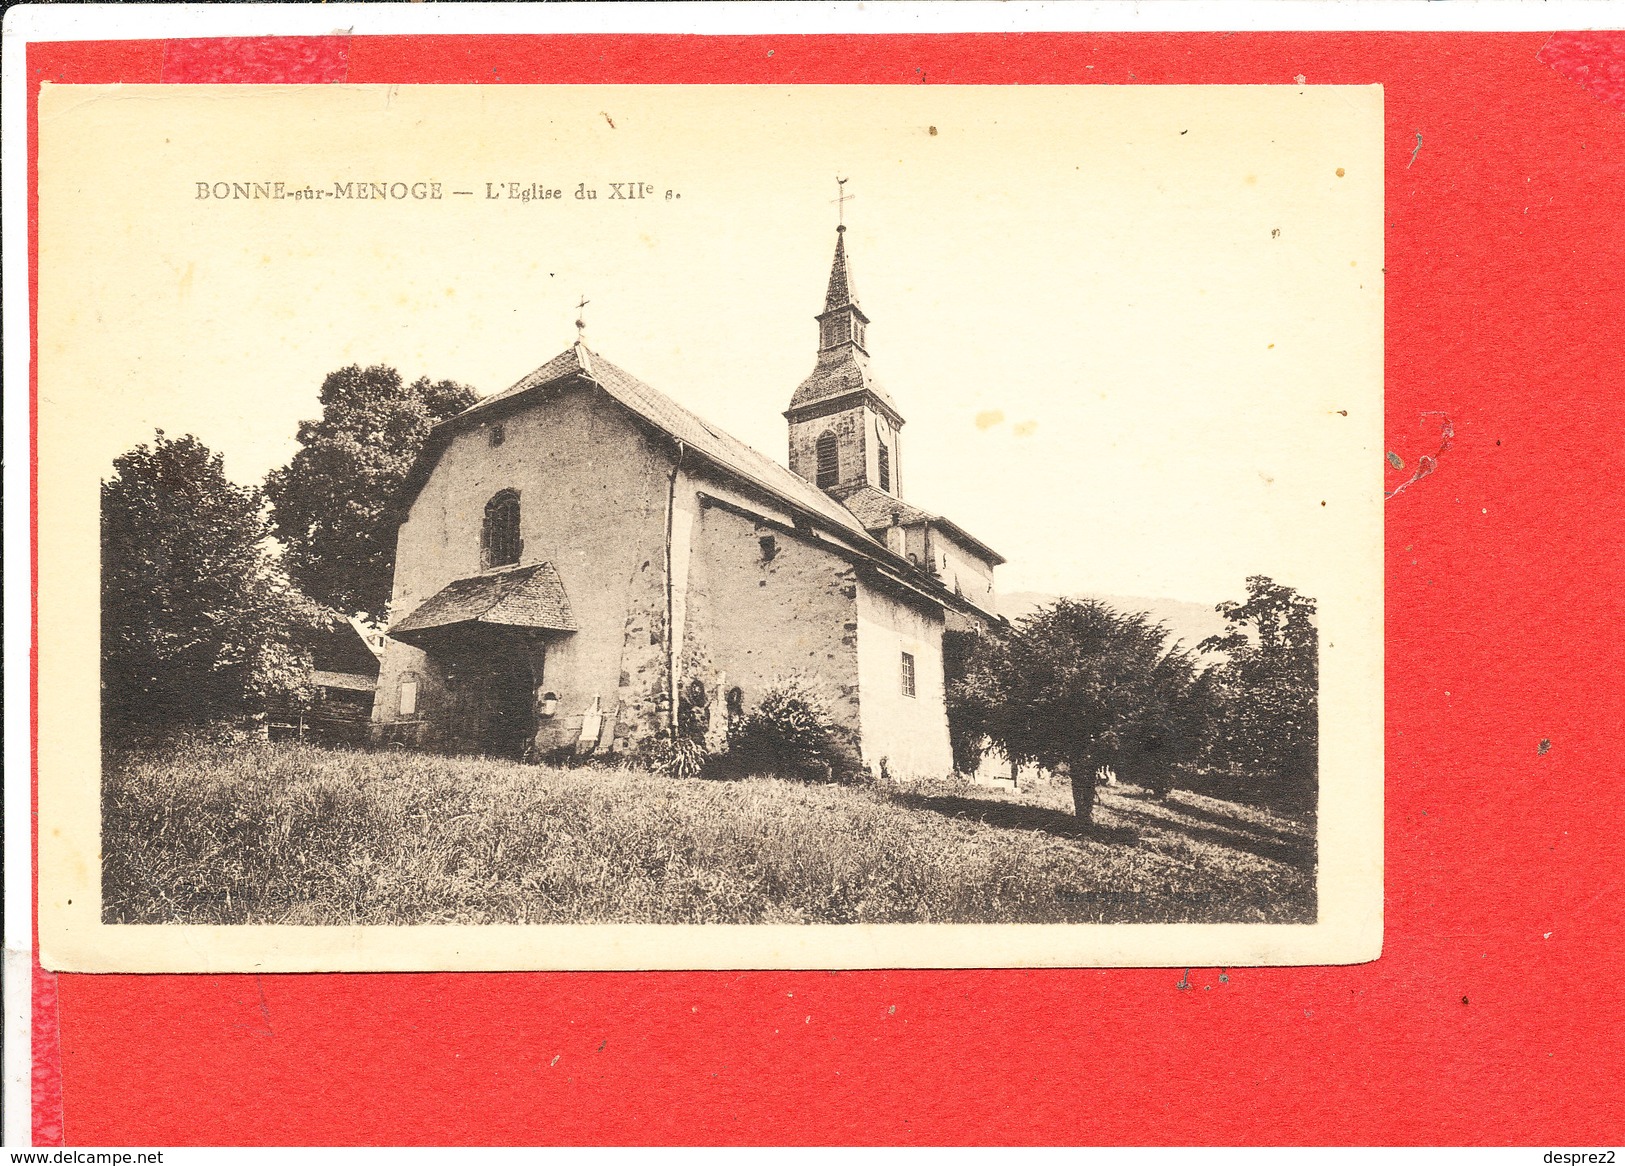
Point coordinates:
[(297, 834)]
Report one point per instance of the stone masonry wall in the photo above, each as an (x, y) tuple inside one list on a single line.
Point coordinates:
[(754, 619), (593, 488), (850, 427)]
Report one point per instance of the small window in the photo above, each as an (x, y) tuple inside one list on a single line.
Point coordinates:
[(885, 467), (857, 331), (769, 545), (908, 674), (409, 695), (829, 461), (498, 435), (500, 539)]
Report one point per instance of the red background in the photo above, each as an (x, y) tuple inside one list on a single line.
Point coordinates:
[(1494, 1014)]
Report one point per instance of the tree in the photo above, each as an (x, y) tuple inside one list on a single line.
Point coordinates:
[(1078, 685), (197, 620), (973, 665), (333, 504), (1263, 701)]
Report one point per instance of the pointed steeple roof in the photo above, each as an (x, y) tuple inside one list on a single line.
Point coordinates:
[(842, 367), (840, 277)]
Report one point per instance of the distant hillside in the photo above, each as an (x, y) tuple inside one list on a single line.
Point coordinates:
[(1187, 621)]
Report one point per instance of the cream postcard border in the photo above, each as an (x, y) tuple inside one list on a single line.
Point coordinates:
[(1347, 537)]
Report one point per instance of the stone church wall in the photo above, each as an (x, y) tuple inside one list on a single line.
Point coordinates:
[(908, 733), (754, 617), (593, 489)]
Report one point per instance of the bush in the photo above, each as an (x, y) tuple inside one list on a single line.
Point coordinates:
[(682, 757), (792, 733)]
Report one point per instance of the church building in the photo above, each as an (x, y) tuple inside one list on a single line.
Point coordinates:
[(580, 557)]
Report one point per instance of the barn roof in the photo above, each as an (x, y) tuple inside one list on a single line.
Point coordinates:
[(335, 645), (531, 596), (350, 681)]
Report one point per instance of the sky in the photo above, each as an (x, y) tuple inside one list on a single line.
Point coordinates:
[(1135, 332)]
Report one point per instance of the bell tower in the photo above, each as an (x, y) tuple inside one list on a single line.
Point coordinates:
[(843, 425)]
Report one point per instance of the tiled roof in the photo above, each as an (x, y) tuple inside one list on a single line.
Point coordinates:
[(528, 597), (564, 364), (877, 509), (693, 431), (346, 680), (840, 278), (841, 370), (699, 435)]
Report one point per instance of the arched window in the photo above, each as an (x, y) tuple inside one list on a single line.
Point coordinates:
[(500, 543), (829, 460), (885, 467)]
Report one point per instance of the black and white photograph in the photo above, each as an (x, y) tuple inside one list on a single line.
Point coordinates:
[(709, 527)]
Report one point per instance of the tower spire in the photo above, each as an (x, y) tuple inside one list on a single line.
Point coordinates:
[(840, 294), (840, 278), (841, 322), (843, 426)]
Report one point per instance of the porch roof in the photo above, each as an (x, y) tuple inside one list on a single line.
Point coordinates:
[(531, 596)]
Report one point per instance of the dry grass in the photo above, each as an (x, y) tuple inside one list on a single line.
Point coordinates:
[(303, 835)]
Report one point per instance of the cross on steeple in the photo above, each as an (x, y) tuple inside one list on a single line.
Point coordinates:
[(840, 203), (581, 319)]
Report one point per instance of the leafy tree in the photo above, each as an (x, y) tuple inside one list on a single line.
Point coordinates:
[(196, 618), (1078, 685), (972, 663), (1262, 702), (332, 505)]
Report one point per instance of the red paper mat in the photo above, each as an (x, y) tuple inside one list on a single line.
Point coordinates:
[(1492, 1017)]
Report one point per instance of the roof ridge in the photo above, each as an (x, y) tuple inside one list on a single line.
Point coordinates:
[(790, 484)]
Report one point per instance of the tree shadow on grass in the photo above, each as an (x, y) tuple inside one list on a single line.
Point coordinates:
[(1284, 833), (1300, 854), (1017, 816)]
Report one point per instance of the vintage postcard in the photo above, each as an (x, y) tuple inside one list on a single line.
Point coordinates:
[(709, 527)]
